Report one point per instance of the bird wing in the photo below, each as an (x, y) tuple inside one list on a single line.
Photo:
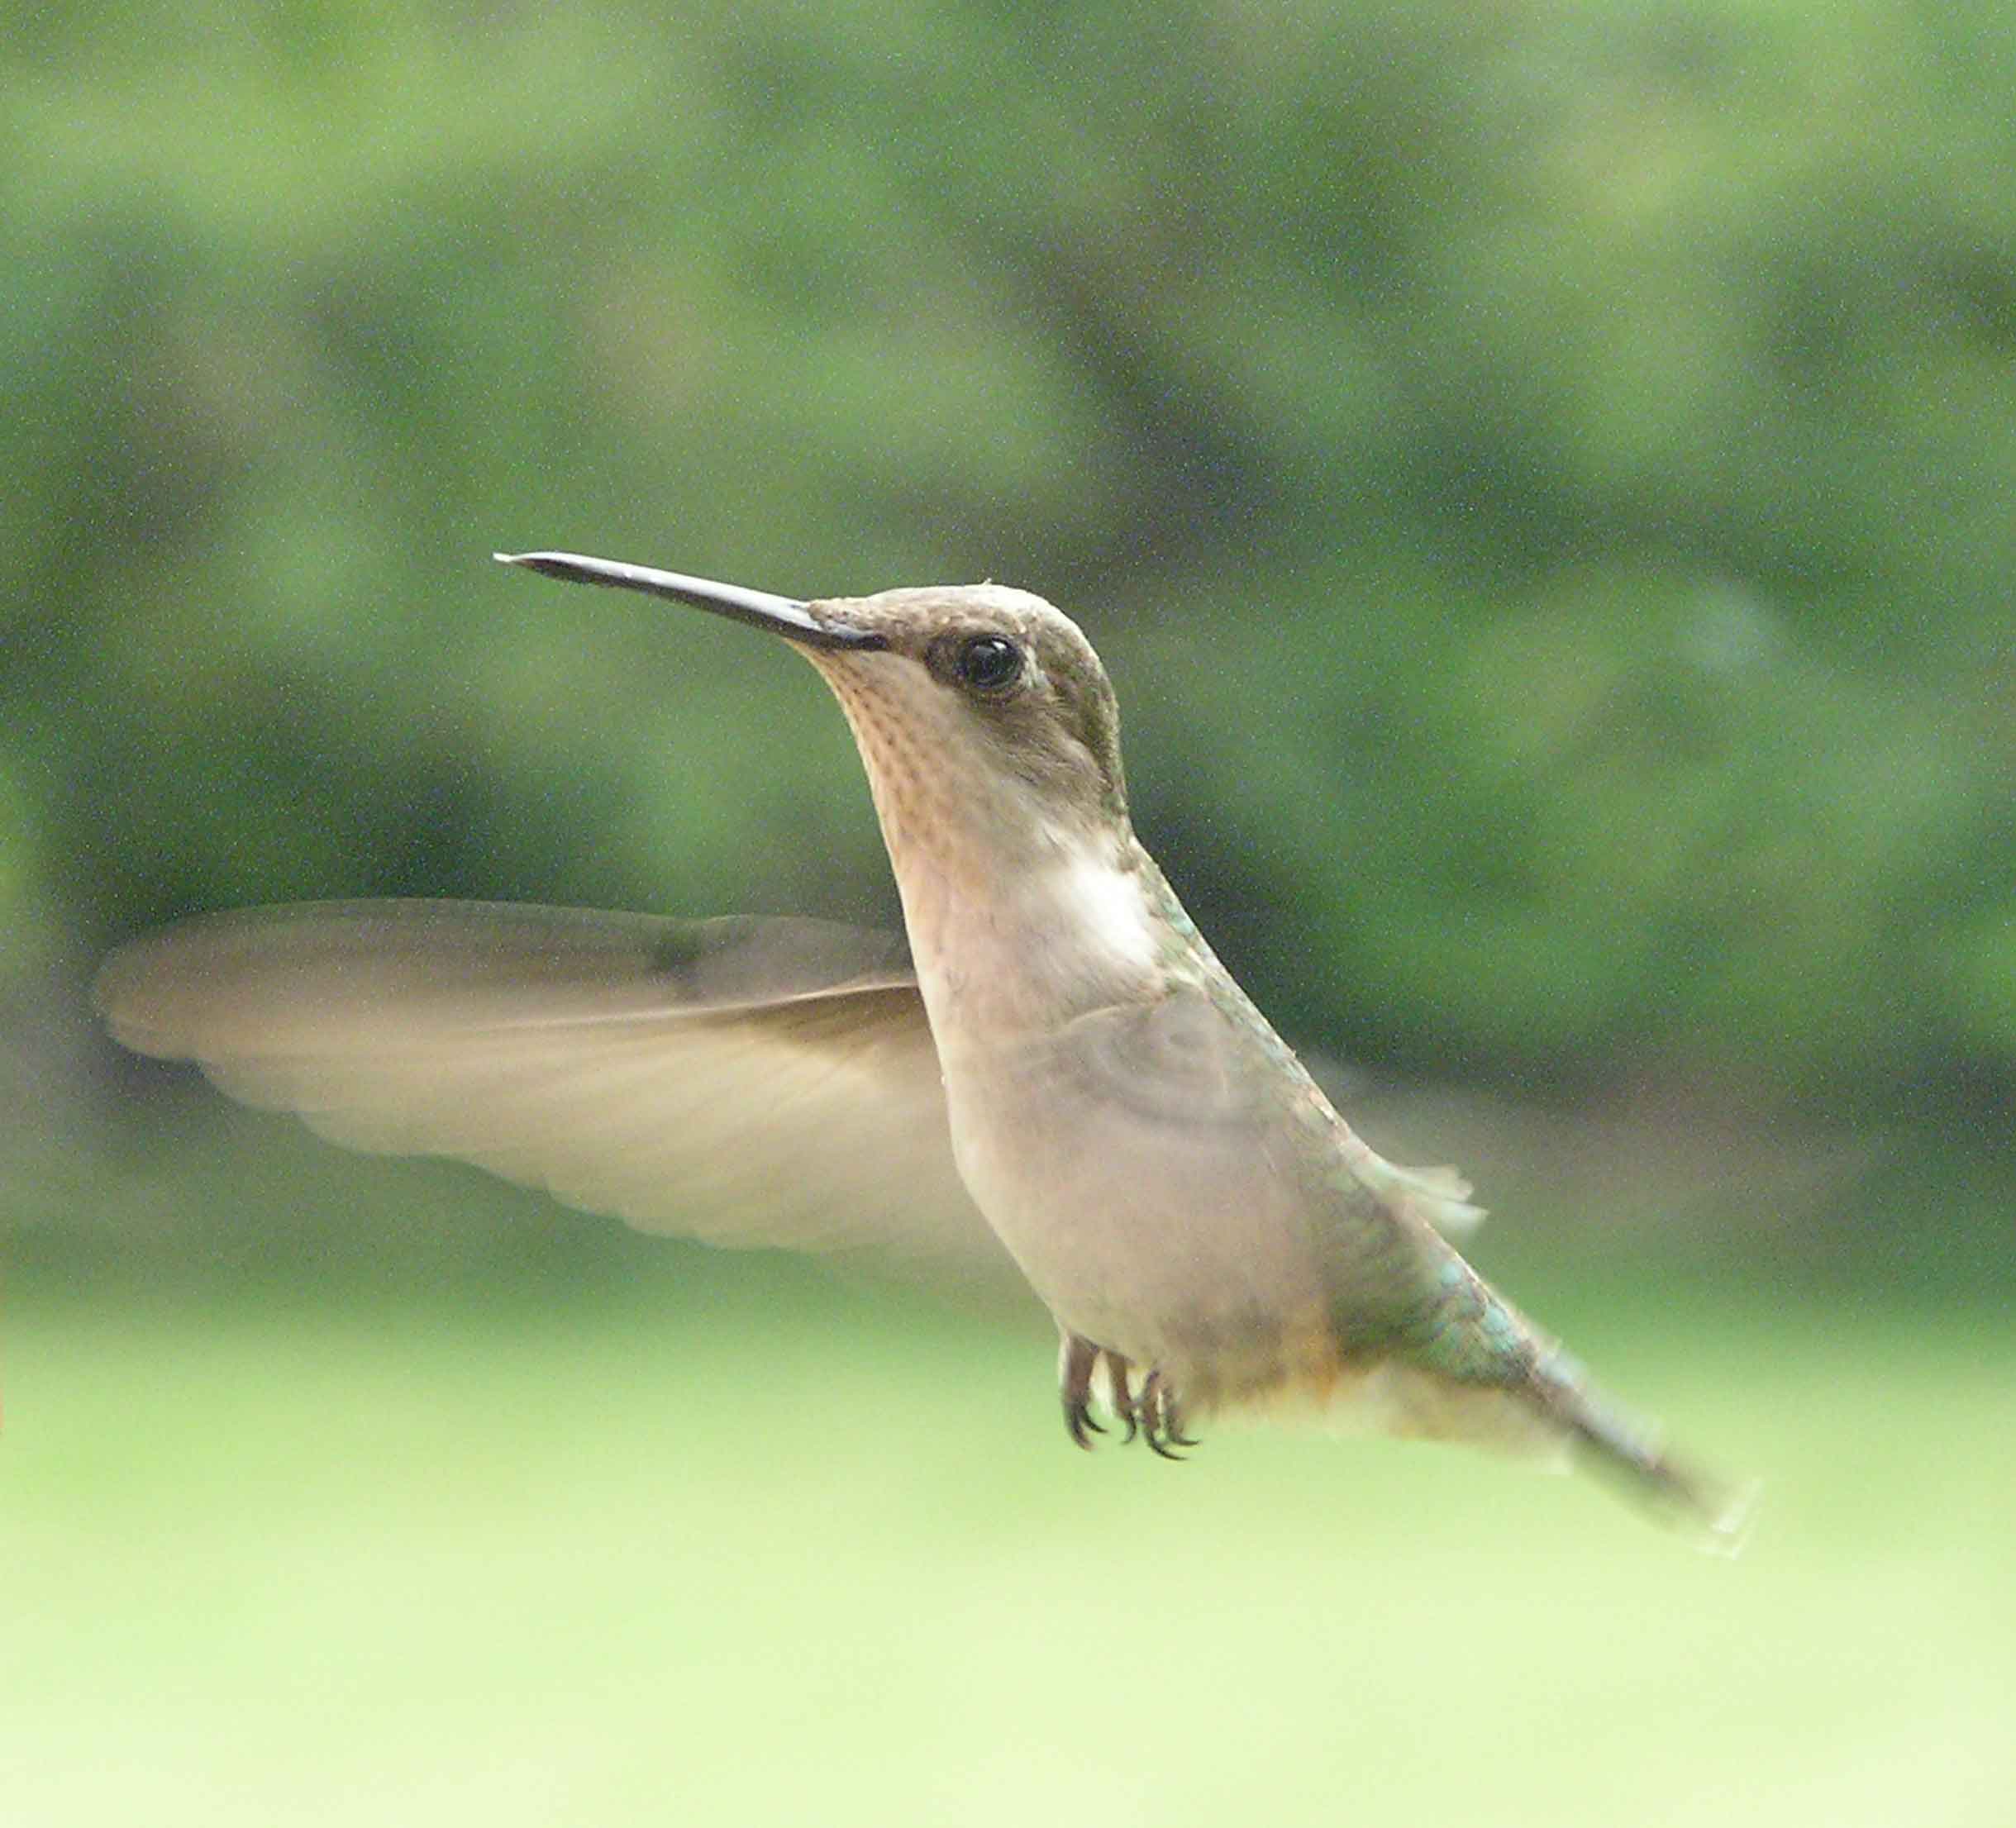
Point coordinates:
[(1184, 1064), (746, 1082)]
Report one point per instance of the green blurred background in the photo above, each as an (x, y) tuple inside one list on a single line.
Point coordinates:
[(1541, 479)]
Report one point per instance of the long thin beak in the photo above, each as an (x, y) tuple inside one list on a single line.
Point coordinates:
[(783, 616)]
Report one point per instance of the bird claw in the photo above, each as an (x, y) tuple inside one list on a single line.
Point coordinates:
[(1074, 1385), (1152, 1412), (1155, 1411), (1079, 1422)]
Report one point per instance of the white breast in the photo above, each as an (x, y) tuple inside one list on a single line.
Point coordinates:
[(1094, 897)]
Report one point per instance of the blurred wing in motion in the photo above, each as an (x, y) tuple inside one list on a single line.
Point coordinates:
[(747, 1082)]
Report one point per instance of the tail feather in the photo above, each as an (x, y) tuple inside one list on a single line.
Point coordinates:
[(1477, 1341), (1615, 1442), (1547, 1413)]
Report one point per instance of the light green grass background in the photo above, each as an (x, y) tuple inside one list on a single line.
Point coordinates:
[(512, 1520)]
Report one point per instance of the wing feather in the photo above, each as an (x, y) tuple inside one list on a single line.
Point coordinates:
[(746, 1082)]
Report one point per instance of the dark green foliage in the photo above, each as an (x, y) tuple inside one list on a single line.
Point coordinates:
[(1541, 479)]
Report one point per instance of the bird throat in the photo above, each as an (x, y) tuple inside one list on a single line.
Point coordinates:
[(1019, 920)]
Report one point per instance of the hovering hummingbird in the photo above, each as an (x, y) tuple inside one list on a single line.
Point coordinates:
[(1055, 1067)]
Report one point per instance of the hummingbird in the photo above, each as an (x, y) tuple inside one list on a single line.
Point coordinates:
[(1049, 1068)]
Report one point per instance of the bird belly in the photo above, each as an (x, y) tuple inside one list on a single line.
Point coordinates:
[(1178, 1250)]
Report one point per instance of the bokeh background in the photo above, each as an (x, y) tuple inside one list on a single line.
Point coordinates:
[(1541, 478)]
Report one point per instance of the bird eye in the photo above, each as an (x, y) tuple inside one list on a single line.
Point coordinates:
[(989, 664)]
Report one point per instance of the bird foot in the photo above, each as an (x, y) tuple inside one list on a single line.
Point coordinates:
[(1152, 1411), (1076, 1362)]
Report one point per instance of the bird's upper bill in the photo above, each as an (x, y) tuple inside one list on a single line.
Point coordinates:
[(783, 616)]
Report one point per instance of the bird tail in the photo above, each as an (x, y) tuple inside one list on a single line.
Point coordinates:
[(1615, 1442)]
